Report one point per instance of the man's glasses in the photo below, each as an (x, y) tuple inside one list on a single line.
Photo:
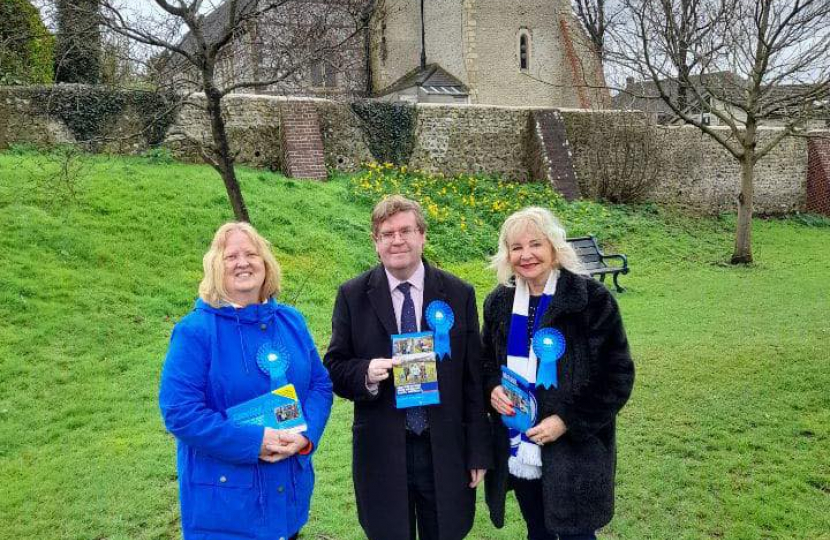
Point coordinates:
[(387, 237)]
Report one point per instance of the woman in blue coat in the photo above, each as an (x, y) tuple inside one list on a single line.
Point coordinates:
[(239, 479)]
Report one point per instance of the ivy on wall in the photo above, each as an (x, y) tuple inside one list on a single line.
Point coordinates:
[(89, 111), (78, 44), (389, 129), (158, 111)]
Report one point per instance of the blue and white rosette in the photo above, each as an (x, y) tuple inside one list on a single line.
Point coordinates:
[(440, 319), (548, 346), (273, 360)]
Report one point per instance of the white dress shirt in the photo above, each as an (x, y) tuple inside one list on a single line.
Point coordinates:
[(416, 291)]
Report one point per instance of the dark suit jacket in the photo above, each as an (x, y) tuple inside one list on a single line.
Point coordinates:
[(596, 376), (362, 324)]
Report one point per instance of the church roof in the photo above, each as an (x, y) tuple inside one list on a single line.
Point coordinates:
[(433, 79), (215, 22)]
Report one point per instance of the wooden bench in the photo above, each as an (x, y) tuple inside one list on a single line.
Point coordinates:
[(593, 259)]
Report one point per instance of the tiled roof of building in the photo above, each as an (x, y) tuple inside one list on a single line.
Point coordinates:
[(433, 80), (215, 22), (726, 87)]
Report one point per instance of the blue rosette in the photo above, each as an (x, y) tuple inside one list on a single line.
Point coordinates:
[(549, 346), (273, 360), (440, 319)]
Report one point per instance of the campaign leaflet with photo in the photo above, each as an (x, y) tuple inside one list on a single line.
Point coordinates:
[(524, 402), (278, 409), (416, 378)]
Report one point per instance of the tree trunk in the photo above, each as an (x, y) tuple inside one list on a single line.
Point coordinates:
[(743, 236), (224, 160)]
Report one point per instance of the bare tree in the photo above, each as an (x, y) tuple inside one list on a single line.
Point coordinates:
[(263, 45), (597, 17), (738, 63)]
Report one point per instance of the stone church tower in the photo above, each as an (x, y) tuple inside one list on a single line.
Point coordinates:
[(498, 52)]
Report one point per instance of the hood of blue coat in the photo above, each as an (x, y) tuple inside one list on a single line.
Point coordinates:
[(251, 314)]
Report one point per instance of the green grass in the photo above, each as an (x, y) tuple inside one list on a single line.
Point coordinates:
[(727, 434)]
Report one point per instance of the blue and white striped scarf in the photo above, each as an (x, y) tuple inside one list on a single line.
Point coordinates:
[(525, 456)]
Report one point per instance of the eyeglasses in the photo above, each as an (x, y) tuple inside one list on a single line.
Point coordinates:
[(387, 237)]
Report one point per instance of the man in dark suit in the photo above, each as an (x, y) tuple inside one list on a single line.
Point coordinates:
[(414, 468)]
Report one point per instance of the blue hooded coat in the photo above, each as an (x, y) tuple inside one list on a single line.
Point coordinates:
[(226, 492)]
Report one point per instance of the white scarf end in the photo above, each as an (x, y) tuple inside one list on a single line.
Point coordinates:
[(523, 470), (530, 454)]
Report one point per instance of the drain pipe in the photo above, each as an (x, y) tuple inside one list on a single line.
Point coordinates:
[(423, 39)]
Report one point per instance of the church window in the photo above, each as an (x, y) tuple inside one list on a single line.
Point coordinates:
[(384, 47), (524, 50)]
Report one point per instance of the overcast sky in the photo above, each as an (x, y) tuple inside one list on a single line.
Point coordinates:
[(132, 8)]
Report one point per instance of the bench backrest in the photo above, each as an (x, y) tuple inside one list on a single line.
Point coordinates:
[(588, 251)]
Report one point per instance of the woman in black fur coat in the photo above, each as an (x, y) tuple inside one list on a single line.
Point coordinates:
[(561, 337)]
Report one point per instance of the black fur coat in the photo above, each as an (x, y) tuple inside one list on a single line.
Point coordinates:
[(595, 376)]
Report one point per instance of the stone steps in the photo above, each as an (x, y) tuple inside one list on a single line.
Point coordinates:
[(550, 153)]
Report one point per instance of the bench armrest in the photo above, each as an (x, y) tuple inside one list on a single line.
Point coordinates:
[(622, 258)]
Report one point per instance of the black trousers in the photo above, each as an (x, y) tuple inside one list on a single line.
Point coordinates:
[(420, 482), (529, 497)]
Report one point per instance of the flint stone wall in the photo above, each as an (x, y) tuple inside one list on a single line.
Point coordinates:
[(253, 125), (471, 140), (696, 172), (24, 120), (344, 141)]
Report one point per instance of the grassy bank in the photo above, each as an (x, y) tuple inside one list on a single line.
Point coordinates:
[(727, 434)]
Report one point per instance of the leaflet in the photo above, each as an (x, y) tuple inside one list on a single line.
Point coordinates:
[(416, 378), (278, 409), (524, 402)]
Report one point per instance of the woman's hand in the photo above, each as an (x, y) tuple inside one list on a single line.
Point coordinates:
[(501, 401), (547, 431), (270, 440), (278, 445)]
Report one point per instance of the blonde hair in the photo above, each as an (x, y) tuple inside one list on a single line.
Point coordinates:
[(212, 288), (392, 205), (540, 220)]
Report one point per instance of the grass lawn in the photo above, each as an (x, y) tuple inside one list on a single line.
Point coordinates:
[(727, 434)]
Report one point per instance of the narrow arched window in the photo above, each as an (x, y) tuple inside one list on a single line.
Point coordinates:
[(524, 50)]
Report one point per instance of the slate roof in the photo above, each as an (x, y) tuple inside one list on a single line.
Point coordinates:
[(726, 87), (643, 95), (433, 80), (215, 21)]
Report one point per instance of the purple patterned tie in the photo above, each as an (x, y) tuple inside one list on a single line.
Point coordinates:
[(416, 417)]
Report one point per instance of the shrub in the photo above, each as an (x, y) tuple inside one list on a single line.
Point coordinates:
[(26, 47), (626, 161)]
